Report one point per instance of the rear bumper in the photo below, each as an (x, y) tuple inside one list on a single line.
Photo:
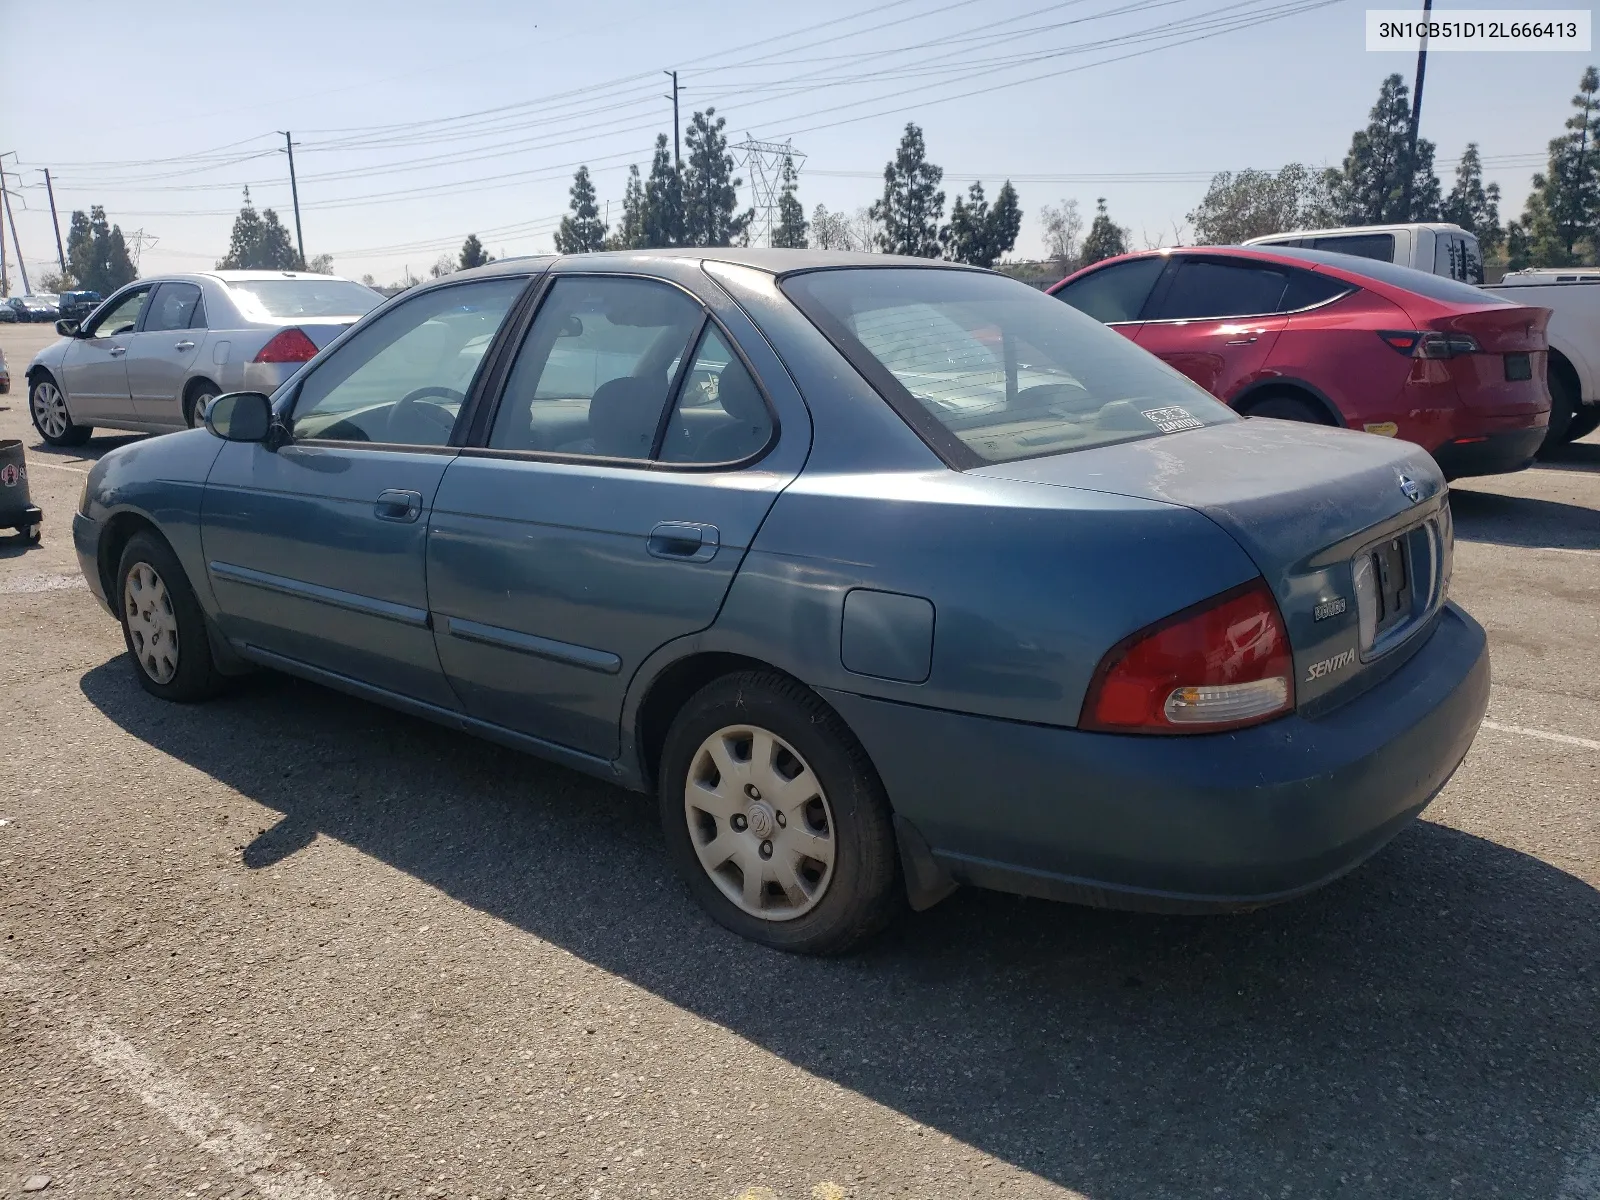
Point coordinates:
[(1490, 453), (1217, 822)]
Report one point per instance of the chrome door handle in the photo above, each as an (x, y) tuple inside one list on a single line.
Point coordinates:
[(685, 541), (1244, 341), (184, 346), (398, 505), (118, 351)]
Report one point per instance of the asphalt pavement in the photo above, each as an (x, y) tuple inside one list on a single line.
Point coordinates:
[(291, 945)]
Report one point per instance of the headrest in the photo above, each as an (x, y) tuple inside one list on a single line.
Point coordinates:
[(738, 396), (623, 415)]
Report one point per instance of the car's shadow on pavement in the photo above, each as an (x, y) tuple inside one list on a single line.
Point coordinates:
[(1425, 1027), (1523, 521)]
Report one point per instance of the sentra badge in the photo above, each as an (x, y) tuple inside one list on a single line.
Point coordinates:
[(1329, 665)]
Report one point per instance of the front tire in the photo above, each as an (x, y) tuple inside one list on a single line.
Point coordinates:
[(162, 623), (1585, 423), (775, 817), (47, 405)]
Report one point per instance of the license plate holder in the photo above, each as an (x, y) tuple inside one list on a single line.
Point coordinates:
[(1519, 367), (1391, 571)]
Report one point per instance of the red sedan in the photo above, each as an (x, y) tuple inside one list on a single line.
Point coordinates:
[(1313, 336)]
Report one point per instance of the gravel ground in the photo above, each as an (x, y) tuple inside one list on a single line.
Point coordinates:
[(294, 946)]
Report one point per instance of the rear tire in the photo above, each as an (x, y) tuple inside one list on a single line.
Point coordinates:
[(162, 622), (775, 817), (1585, 423), (194, 407), (47, 406), (1286, 407), (1563, 410)]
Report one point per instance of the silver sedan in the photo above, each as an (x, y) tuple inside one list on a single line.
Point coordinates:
[(153, 355)]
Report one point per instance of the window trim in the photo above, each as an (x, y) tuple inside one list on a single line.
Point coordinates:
[(477, 446), (1163, 286), (1157, 285), (144, 313), (292, 401), (147, 286)]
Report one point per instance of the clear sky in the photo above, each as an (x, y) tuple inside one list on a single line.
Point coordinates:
[(163, 110)]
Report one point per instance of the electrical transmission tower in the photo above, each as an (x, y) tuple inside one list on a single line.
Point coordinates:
[(137, 242), (763, 161)]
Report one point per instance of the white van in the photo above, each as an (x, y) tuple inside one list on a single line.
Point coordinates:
[(1436, 247)]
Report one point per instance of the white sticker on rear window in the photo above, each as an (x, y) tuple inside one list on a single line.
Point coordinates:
[(1170, 420)]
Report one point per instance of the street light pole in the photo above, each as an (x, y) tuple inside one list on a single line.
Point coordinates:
[(55, 222), (677, 159), (1416, 112)]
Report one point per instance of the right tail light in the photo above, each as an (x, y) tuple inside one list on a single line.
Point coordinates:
[(1428, 343), (1223, 664)]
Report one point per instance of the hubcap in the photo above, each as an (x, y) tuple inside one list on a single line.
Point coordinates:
[(152, 625), (197, 412), (760, 823), (50, 410)]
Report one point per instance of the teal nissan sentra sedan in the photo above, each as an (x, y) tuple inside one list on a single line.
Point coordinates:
[(882, 575)]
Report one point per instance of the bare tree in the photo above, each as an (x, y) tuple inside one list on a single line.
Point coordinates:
[(1063, 234), (829, 230), (443, 265), (865, 231)]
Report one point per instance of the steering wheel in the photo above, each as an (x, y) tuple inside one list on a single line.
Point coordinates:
[(433, 412)]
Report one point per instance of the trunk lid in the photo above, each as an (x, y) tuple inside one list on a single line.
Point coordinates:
[(324, 331), (1507, 375), (1351, 531)]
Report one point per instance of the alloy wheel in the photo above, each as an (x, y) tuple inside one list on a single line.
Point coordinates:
[(760, 823), (50, 410), (152, 625)]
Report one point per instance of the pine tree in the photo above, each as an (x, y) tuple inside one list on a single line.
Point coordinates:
[(1005, 223), (790, 232), (663, 200), (1106, 239), (629, 234), (912, 206), (1370, 188), (1473, 206), (710, 188), (259, 242), (583, 231), (979, 234), (473, 254), (97, 255), (1564, 205)]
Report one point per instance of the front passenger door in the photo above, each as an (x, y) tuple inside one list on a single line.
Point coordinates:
[(316, 550), (95, 365), (159, 354)]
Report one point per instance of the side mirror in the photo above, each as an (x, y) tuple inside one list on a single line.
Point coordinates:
[(240, 416), (67, 328)]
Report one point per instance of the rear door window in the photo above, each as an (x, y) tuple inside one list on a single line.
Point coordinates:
[(1307, 289), (1115, 293), (1204, 289), (172, 307)]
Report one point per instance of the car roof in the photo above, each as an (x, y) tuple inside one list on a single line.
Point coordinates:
[(773, 262)]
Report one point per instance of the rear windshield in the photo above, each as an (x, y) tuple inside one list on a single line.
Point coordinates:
[(1434, 287), (273, 299), (990, 370)]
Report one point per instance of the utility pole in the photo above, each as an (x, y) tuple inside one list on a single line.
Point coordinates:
[(294, 190), (677, 159), (1416, 113), (11, 216), (55, 222)]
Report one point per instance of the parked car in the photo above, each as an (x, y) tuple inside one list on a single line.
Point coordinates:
[(152, 356), (5, 374), (74, 306), (42, 307), (882, 574), (8, 314), (1449, 250), (1320, 337), (17, 308)]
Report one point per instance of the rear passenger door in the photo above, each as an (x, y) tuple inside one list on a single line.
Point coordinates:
[(1216, 320), (161, 352), (611, 496)]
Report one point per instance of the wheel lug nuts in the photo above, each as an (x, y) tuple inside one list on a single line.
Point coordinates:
[(766, 849), (739, 822), (783, 821), (752, 791)]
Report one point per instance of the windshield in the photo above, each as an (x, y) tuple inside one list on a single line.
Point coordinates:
[(990, 370), (277, 299)]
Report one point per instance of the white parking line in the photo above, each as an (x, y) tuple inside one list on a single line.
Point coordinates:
[(241, 1148), (58, 467), (1565, 739)]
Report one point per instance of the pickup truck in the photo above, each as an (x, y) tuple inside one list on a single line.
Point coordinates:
[(1572, 294)]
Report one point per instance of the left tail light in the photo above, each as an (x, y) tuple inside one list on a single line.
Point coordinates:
[(289, 346), (1427, 343), (1223, 664)]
